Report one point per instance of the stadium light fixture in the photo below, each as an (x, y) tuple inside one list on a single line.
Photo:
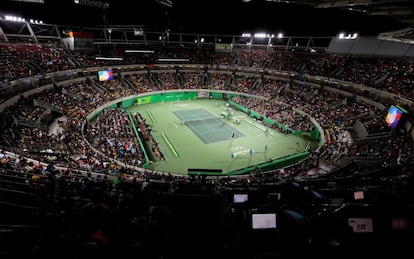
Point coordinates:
[(260, 35), (13, 18), (263, 35), (173, 59), (138, 51), (109, 58), (349, 36), (138, 32), (30, 1), (35, 21), (93, 3)]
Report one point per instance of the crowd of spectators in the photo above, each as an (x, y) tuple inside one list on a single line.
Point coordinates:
[(85, 204)]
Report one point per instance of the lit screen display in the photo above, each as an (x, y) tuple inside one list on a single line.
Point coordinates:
[(240, 198), (361, 225), (105, 75), (394, 116), (264, 221)]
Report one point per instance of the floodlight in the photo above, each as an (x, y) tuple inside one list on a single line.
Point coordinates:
[(30, 1), (93, 3)]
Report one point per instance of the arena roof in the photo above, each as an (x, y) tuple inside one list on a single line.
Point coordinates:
[(314, 17), (402, 10)]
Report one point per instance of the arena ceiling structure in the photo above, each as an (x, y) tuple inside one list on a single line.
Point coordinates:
[(313, 17), (402, 10), (398, 10)]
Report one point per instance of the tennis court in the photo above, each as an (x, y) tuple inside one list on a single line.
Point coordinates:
[(204, 124), (207, 127)]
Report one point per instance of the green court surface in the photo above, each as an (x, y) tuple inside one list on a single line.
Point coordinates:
[(206, 127), (193, 134)]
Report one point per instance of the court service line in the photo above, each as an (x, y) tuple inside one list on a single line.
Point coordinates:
[(151, 116), (169, 144), (261, 127)]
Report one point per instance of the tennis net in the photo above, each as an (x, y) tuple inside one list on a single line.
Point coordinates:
[(200, 121)]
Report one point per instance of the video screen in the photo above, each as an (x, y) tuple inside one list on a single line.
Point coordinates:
[(105, 75), (359, 195), (240, 197), (394, 116), (361, 225), (264, 221)]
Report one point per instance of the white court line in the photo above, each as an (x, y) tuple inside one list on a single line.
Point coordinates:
[(261, 127)]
